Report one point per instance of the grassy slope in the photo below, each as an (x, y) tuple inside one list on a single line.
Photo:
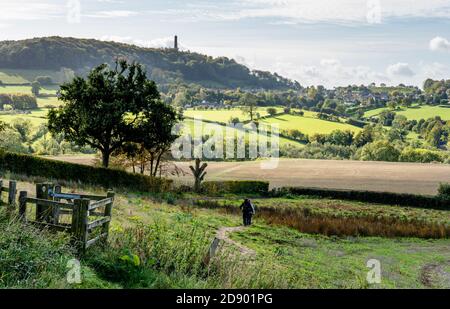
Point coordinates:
[(225, 114), (27, 89), (36, 117), (416, 113), (12, 76), (209, 128), (285, 257), (309, 125)]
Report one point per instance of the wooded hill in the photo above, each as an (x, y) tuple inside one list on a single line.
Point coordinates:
[(163, 65)]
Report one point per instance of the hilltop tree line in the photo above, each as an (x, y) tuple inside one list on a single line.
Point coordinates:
[(164, 66)]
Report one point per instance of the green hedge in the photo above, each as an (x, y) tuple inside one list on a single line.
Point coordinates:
[(402, 199), (108, 178), (236, 187)]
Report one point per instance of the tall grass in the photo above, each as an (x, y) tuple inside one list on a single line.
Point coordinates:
[(30, 258), (307, 221), (174, 255)]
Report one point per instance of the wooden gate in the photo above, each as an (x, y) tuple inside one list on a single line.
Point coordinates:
[(90, 215)]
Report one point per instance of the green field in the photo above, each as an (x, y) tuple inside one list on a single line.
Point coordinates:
[(416, 113), (47, 90), (209, 129), (176, 231), (308, 125), (224, 115), (36, 117), (14, 76)]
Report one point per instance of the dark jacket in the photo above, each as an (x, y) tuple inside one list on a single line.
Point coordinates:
[(248, 208)]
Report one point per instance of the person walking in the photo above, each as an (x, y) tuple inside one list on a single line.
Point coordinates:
[(248, 210)]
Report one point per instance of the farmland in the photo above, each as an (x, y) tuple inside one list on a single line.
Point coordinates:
[(17, 76), (211, 128), (309, 125), (224, 115), (416, 112), (373, 176), (37, 117)]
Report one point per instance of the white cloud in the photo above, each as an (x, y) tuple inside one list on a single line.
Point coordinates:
[(312, 11), (439, 44), (330, 73), (330, 63), (111, 1), (29, 10), (112, 14), (400, 69), (435, 70)]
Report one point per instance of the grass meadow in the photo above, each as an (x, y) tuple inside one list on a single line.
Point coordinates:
[(416, 112), (308, 124), (161, 240), (224, 115)]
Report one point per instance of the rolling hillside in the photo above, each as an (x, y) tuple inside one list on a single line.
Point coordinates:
[(416, 112), (50, 55)]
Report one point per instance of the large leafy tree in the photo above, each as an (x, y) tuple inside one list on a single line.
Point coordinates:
[(35, 88), (101, 110)]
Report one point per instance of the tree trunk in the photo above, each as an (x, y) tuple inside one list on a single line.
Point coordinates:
[(105, 158)]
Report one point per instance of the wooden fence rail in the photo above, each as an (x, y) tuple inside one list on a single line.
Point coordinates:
[(50, 208)]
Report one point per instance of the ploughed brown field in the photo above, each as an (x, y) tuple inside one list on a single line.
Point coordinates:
[(373, 176)]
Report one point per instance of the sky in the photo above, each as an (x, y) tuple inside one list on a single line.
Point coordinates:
[(316, 42)]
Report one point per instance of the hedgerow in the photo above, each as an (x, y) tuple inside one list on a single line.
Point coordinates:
[(57, 170)]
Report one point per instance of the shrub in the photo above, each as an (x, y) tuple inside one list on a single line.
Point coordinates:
[(444, 191), (356, 122), (403, 199), (318, 151), (18, 101), (236, 187), (108, 178), (44, 80), (271, 111), (11, 140), (380, 151), (420, 155)]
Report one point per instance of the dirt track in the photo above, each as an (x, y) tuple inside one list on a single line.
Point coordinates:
[(373, 176)]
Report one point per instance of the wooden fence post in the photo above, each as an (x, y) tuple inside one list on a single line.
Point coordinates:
[(108, 213), (42, 212), (80, 224), (84, 221), (56, 210), (75, 217), (12, 195), (23, 205), (39, 194), (1, 185)]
